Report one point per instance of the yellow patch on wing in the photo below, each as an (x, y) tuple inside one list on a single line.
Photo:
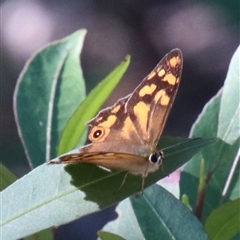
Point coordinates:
[(170, 78), (147, 90), (174, 61), (128, 127), (141, 111), (161, 73), (109, 122), (128, 124), (163, 97), (151, 75), (165, 100), (116, 109)]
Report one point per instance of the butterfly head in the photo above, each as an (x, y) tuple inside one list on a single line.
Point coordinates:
[(156, 158)]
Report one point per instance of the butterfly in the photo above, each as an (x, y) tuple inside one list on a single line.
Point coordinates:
[(125, 136)]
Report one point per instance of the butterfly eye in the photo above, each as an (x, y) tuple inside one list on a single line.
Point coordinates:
[(156, 157)]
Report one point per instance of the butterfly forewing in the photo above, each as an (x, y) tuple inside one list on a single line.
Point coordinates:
[(150, 103)]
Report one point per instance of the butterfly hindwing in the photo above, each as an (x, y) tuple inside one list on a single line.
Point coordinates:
[(110, 160), (113, 130)]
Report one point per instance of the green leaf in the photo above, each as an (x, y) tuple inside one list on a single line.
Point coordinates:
[(6, 176), (51, 80), (209, 114), (46, 234), (223, 223), (109, 236), (161, 219), (55, 194), (126, 223), (77, 123), (155, 215), (229, 123), (218, 160)]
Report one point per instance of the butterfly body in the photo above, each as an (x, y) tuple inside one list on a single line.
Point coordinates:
[(125, 136)]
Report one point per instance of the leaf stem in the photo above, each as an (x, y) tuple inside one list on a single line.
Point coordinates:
[(203, 183)]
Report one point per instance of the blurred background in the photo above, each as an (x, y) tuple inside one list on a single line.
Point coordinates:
[(207, 32)]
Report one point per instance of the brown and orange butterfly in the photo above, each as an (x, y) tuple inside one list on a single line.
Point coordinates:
[(125, 136)]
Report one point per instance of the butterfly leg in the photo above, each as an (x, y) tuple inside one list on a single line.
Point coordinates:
[(144, 175), (163, 170), (124, 179), (143, 183)]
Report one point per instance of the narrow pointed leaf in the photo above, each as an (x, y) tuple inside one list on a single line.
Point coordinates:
[(218, 160), (51, 80), (229, 114), (89, 107)]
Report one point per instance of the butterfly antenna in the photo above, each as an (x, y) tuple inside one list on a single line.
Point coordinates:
[(177, 144)]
